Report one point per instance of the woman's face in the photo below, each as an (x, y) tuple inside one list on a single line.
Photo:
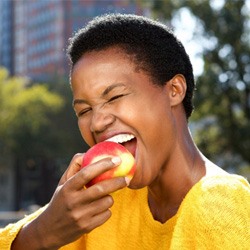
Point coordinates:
[(115, 101)]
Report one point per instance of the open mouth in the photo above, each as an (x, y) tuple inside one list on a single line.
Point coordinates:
[(126, 140)]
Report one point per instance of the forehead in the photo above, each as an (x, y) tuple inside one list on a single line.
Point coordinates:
[(107, 64), (98, 69)]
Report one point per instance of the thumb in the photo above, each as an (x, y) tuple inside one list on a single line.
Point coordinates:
[(73, 168)]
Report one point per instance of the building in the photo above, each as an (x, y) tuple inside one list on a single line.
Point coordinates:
[(36, 33), (6, 35)]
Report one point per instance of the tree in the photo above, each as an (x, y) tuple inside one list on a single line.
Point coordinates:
[(38, 128), (24, 112), (25, 135), (65, 121), (223, 90)]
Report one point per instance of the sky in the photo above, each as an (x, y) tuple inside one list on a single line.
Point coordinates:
[(184, 31)]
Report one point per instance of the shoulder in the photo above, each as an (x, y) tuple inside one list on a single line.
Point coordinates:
[(218, 208), (227, 190), (218, 199), (222, 201), (215, 213), (225, 182), (225, 187)]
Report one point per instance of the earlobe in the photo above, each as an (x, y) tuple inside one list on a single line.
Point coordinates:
[(177, 89)]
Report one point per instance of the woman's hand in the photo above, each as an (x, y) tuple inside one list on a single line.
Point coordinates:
[(73, 210)]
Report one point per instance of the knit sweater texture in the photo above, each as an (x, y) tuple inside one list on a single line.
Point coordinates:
[(215, 214)]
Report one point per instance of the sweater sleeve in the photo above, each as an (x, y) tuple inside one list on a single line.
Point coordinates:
[(216, 215), (9, 233)]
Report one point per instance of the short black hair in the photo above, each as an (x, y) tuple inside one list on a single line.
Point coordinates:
[(151, 44)]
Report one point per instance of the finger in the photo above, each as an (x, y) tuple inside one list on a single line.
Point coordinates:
[(96, 221), (73, 168), (75, 165), (95, 207), (100, 205), (85, 175), (104, 188)]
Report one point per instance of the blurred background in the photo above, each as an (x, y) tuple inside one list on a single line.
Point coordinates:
[(38, 128)]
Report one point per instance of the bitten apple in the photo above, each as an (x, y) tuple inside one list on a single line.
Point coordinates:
[(110, 149)]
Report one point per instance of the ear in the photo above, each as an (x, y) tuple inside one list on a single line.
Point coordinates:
[(176, 89)]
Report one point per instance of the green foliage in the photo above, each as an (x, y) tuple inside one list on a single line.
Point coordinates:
[(38, 119), (222, 98), (25, 110), (38, 130), (65, 121)]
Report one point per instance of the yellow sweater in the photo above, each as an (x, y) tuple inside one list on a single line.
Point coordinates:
[(215, 214)]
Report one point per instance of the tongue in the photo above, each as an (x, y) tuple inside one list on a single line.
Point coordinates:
[(130, 146)]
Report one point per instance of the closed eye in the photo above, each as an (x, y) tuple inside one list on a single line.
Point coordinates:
[(115, 97), (83, 112)]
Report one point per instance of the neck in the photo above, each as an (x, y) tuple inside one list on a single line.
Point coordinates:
[(180, 173)]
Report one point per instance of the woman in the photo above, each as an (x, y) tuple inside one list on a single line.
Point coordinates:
[(131, 78)]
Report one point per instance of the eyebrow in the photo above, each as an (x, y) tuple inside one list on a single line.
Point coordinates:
[(111, 87), (78, 101), (104, 93)]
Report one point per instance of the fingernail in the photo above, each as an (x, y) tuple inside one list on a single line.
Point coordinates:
[(116, 160), (127, 180)]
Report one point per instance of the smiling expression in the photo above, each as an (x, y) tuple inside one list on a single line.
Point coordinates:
[(114, 101)]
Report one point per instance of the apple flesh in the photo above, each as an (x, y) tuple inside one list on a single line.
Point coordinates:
[(110, 149)]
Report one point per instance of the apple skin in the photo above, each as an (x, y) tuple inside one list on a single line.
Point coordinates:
[(110, 149)]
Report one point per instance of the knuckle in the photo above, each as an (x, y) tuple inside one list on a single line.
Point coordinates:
[(83, 225), (69, 207), (87, 228), (78, 224), (120, 182), (99, 190), (73, 217), (76, 157), (85, 174)]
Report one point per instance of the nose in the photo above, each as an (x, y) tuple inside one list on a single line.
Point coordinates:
[(101, 120)]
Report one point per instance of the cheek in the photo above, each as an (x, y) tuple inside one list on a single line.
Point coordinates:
[(85, 132)]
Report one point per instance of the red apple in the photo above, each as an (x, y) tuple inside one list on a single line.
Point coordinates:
[(110, 149)]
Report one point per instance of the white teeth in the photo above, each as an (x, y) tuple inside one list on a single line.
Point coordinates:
[(121, 138)]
